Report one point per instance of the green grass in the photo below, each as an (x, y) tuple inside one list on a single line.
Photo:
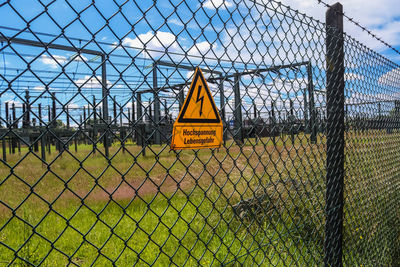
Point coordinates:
[(167, 230), (59, 212), (372, 197)]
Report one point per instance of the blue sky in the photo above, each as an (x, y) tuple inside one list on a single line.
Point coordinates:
[(381, 17), (222, 35)]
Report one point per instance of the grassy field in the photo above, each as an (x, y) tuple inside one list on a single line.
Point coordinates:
[(372, 199), (169, 207)]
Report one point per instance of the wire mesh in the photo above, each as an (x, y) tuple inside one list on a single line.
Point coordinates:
[(87, 108), (371, 213)]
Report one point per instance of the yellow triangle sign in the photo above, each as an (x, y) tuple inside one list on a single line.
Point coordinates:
[(198, 124)]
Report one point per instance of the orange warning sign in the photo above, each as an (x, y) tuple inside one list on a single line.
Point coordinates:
[(198, 124)]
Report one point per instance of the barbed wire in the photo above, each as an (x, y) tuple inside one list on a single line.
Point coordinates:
[(364, 28)]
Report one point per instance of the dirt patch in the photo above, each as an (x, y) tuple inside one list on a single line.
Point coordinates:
[(129, 190), (224, 172), (4, 209)]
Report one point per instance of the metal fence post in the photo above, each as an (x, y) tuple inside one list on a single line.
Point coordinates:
[(84, 117), (94, 108), (93, 132), (104, 95), (133, 118), (115, 109), (49, 139), (7, 114), (254, 124), (43, 133), (313, 116), (23, 115), (291, 121), (335, 135), (238, 135), (157, 135), (222, 105), (40, 114), (67, 113), (7, 125), (14, 123), (53, 110), (140, 127), (272, 122), (121, 110), (150, 115), (181, 97), (133, 109), (121, 129), (306, 121), (165, 111), (28, 108), (139, 118)]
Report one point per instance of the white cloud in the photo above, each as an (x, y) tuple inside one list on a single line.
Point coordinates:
[(189, 23), (129, 104), (55, 61), (353, 76), (391, 78), (379, 16), (90, 82), (368, 13), (39, 88), (359, 98), (212, 4), (73, 105), (263, 94), (175, 21), (201, 48), (189, 75), (98, 105), (158, 44), (155, 42), (77, 57)]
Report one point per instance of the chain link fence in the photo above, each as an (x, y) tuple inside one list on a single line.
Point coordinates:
[(307, 172), (371, 210)]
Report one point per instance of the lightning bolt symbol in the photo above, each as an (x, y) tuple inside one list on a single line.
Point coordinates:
[(200, 99)]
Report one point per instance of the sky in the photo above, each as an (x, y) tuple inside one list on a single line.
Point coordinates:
[(381, 17), (222, 35)]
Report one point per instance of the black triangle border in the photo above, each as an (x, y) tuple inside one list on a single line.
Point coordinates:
[(189, 97)]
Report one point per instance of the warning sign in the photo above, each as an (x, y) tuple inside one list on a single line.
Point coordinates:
[(199, 124)]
